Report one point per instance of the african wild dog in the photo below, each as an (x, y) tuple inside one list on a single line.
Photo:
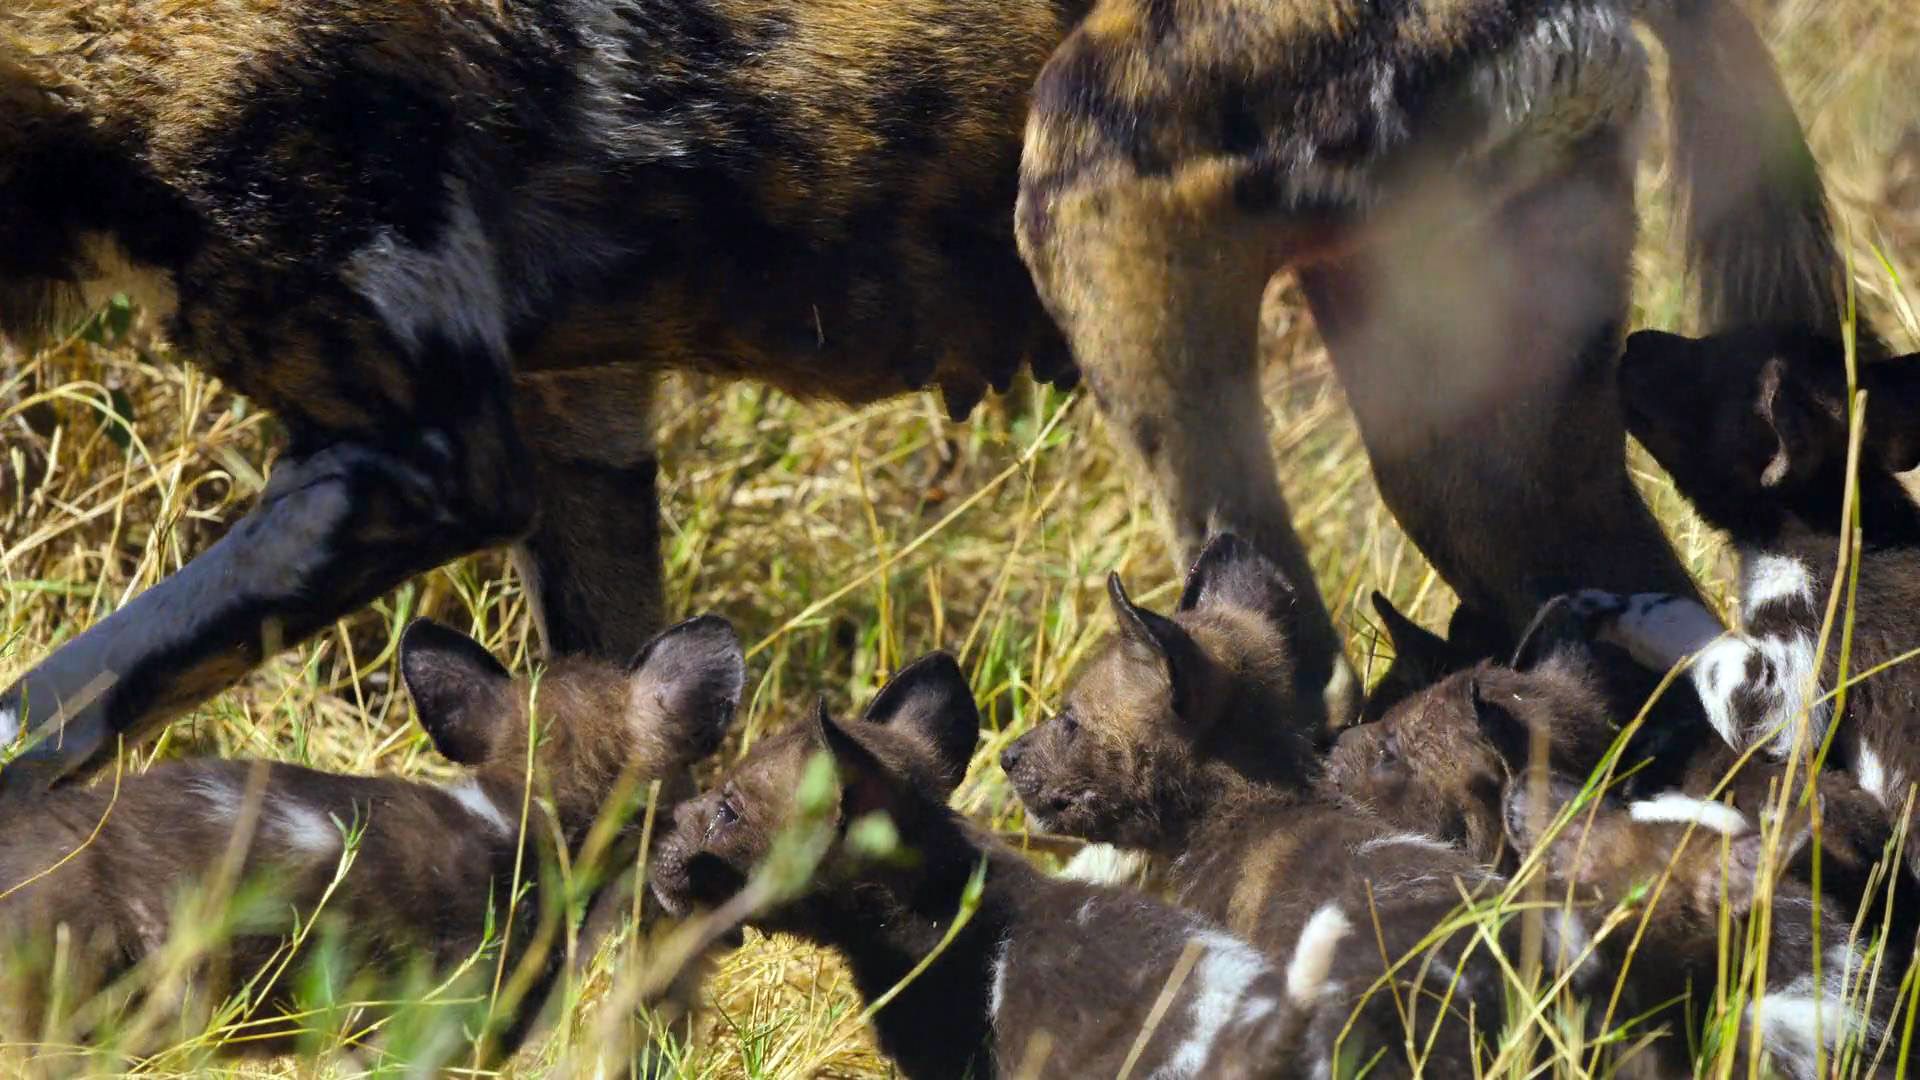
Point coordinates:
[(1753, 428), (1049, 977), (1705, 859), (1170, 741), (424, 873), (1453, 181), (1444, 759), (453, 244)]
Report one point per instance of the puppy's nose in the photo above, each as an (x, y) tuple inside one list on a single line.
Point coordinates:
[(1010, 757)]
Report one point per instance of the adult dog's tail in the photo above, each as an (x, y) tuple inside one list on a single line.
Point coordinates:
[(1760, 241)]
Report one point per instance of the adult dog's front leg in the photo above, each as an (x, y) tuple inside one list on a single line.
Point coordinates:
[(335, 528)]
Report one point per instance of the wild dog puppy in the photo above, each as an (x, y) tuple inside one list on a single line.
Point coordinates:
[(1172, 741), (1441, 754), (1453, 181), (1049, 977), (1823, 991), (1443, 759), (379, 879), (453, 245), (1753, 427)]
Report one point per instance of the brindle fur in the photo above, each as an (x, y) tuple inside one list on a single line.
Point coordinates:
[(1453, 181), (1049, 977), (433, 870), (453, 243)]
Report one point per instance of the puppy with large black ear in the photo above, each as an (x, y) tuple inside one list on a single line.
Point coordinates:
[(1755, 429), (1172, 741), (1046, 977)]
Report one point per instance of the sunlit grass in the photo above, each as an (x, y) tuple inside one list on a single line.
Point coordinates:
[(842, 544)]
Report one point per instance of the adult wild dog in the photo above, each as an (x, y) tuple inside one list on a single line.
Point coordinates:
[(1453, 181), (452, 242)]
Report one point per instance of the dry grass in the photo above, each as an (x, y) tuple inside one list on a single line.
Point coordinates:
[(840, 543)]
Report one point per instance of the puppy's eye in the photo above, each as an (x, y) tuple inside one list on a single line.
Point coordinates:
[(1390, 748), (728, 814), (1069, 724)]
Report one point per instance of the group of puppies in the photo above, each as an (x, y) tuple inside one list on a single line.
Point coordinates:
[(1266, 898)]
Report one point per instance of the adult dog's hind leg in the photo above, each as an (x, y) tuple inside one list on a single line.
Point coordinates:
[(1477, 347), (592, 561)]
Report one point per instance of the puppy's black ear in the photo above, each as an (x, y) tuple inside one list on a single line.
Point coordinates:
[(867, 785), (1424, 655), (1510, 736), (463, 696), (930, 701), (687, 682), (1158, 637), (1231, 573)]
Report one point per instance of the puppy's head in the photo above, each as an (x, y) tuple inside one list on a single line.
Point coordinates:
[(1439, 760), (1759, 418), (903, 759), (1170, 705), (594, 723)]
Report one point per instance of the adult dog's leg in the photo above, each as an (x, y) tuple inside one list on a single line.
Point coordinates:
[(1161, 303), (1477, 348), (341, 522), (593, 559)]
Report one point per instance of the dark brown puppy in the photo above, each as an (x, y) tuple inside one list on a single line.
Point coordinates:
[(1443, 760), (1048, 977), (380, 879), (1174, 740), (1697, 864)]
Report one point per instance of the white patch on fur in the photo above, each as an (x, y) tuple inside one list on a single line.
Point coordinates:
[(1104, 864), (1660, 629), (9, 725), (1677, 808), (1789, 1018), (1766, 579), (1406, 839), (1226, 969), (1884, 783), (303, 827), (453, 290), (1787, 667), (1569, 944), (223, 799), (109, 270), (469, 794), (1313, 953), (999, 991)]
